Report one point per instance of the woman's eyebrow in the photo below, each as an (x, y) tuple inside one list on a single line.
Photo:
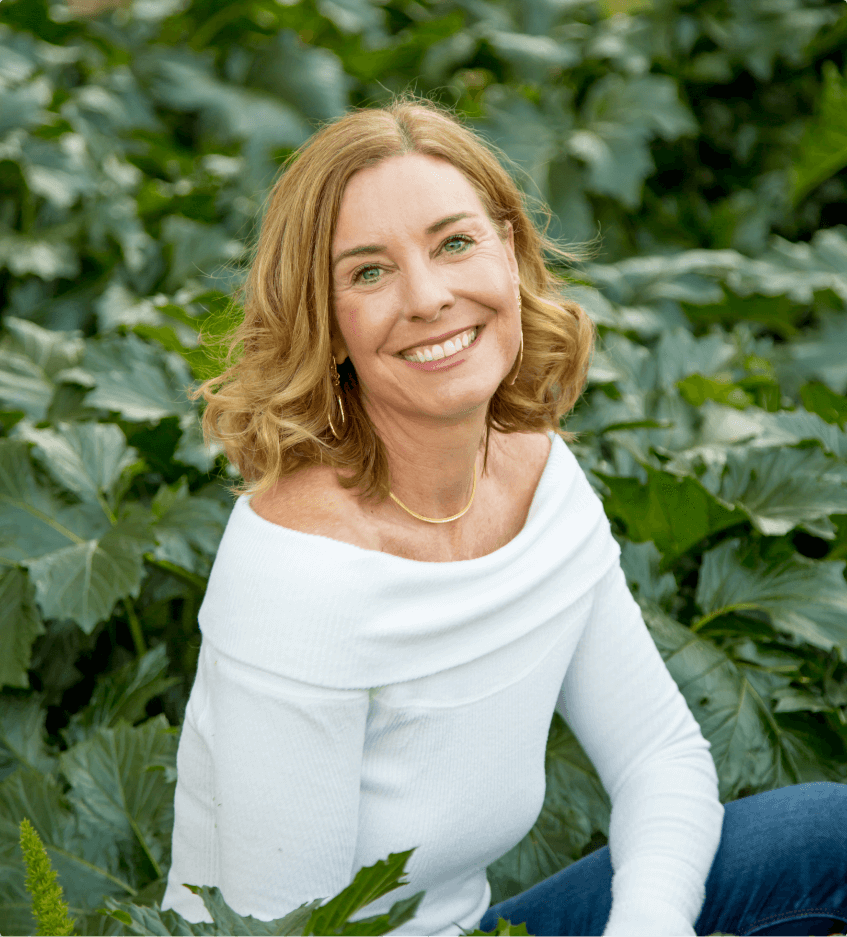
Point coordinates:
[(378, 248)]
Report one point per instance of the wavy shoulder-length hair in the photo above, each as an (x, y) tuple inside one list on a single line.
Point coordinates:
[(270, 406)]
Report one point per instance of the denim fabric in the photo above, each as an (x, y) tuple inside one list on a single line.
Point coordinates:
[(780, 868)]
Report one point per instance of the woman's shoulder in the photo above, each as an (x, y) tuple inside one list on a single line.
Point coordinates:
[(312, 501)]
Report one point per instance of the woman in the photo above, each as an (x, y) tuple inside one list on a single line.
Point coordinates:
[(419, 572)]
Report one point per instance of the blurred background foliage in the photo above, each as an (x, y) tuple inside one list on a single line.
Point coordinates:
[(705, 142)]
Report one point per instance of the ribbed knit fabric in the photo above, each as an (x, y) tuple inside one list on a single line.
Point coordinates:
[(350, 703)]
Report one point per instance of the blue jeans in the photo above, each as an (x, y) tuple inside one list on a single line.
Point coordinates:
[(780, 868)]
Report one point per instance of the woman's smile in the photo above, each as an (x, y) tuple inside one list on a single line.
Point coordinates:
[(442, 364)]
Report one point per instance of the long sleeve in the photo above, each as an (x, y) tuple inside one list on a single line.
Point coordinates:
[(267, 797), (634, 724)]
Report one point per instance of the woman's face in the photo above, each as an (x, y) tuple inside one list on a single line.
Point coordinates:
[(413, 284)]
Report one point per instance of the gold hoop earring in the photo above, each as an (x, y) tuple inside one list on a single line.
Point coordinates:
[(337, 391), (520, 353)]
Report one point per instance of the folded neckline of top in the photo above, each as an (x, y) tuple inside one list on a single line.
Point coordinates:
[(243, 502)]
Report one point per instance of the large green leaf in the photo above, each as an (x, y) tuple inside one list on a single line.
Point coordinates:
[(675, 513), (33, 361), (115, 791), (48, 256), (729, 700), (85, 857), (61, 174), (192, 448), (85, 580), (79, 563), (523, 131), (196, 249), (723, 427), (138, 380), (779, 488), (89, 459), (806, 598), (34, 519)]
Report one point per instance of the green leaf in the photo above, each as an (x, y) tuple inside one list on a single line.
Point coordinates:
[(22, 739), (20, 627), (113, 789), (33, 519), (186, 82), (617, 162), (805, 598), (185, 524), (697, 389), (47, 256), (779, 488), (196, 248), (60, 174), (680, 354), (139, 381), (521, 130), (729, 700), (369, 883), (309, 77), (22, 107), (84, 857), (122, 694), (148, 921), (88, 459), (819, 399), (85, 580), (23, 385), (33, 361), (620, 116), (819, 355), (192, 448), (823, 149), (641, 564), (675, 513)]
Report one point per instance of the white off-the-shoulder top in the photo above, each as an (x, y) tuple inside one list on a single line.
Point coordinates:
[(350, 703)]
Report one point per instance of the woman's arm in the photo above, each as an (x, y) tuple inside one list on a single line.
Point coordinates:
[(634, 724)]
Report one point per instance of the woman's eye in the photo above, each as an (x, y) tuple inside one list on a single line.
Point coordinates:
[(462, 238)]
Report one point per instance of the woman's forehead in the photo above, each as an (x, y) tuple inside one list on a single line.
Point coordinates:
[(408, 192)]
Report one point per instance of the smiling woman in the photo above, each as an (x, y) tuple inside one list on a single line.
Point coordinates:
[(389, 229), (379, 681)]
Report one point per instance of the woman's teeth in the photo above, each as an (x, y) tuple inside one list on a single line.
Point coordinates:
[(450, 347)]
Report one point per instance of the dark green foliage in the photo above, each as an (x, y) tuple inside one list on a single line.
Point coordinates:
[(704, 140)]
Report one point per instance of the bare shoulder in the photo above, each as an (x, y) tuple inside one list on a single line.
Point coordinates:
[(312, 501)]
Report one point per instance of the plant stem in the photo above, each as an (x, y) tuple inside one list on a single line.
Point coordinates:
[(135, 628)]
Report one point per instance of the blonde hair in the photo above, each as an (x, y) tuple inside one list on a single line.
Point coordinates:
[(271, 409)]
